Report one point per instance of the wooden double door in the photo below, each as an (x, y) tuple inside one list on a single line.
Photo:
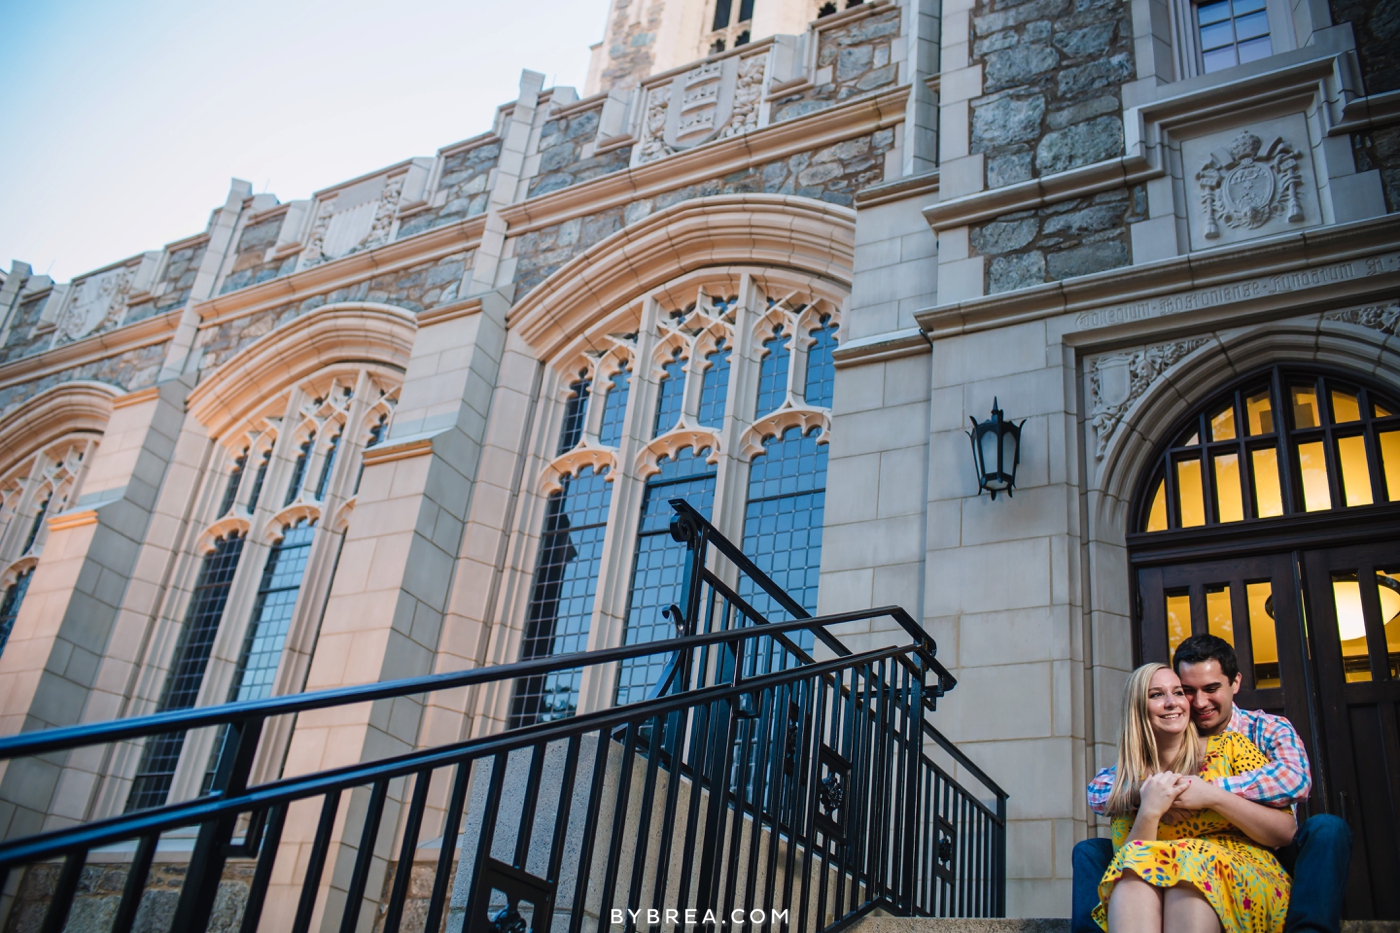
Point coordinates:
[(1317, 632)]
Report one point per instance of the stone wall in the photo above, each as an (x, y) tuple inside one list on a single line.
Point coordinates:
[(134, 369), (834, 173), (1062, 240), (417, 288), (1380, 149), (566, 153), (1052, 77), (249, 268), (629, 46), (18, 342), (852, 58), (1376, 26), (100, 891), (466, 176)]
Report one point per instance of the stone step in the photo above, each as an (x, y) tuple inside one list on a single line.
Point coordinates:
[(884, 923)]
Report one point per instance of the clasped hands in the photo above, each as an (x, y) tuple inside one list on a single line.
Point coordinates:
[(1176, 794)]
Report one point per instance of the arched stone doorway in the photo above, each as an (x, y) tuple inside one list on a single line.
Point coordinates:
[(1272, 519)]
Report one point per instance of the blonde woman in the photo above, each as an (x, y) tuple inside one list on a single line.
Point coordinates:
[(1201, 870)]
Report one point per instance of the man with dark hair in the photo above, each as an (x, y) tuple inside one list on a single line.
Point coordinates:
[(1320, 854)]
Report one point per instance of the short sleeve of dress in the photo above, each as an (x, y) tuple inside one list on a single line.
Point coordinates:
[(1241, 755)]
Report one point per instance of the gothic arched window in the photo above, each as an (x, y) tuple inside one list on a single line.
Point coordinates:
[(272, 614), (575, 413), (821, 367), (714, 386), (670, 395), (610, 427), (9, 606), (773, 372)]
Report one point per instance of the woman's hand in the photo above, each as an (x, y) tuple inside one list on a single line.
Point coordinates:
[(1159, 793)]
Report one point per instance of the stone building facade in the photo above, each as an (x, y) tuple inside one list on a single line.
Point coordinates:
[(773, 260)]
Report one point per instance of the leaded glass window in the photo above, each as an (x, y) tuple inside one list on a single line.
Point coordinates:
[(821, 367), (326, 467), (670, 395), (714, 385), (1286, 442), (561, 599), (610, 428), (575, 413), (659, 563), (258, 479), (1232, 32), (38, 524), (9, 606), (299, 470), (272, 614), (231, 487), (773, 373), (162, 752)]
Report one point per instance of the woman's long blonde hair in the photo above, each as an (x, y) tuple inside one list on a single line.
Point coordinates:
[(1137, 745)]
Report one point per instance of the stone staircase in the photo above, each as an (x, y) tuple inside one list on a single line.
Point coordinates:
[(879, 922)]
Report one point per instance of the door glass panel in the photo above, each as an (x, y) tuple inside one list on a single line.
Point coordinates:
[(1157, 515), (1356, 470), (1222, 425), (1229, 499), (1268, 493), (1345, 407), (1262, 637), (1305, 413), (1351, 627), (1390, 463), (1259, 409), (1178, 620), (1312, 464), (1219, 621), (1192, 496), (1388, 585), (1382, 412)]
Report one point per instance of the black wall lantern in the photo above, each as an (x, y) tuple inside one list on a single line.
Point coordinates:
[(996, 449)]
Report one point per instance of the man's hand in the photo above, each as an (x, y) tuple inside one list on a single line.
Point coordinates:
[(1197, 794)]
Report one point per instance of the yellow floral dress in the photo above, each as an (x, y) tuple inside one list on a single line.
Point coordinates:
[(1242, 880)]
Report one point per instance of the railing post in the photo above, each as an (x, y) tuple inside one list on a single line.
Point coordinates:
[(914, 741), (211, 847)]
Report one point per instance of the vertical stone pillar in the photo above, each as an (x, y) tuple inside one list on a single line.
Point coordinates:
[(49, 671)]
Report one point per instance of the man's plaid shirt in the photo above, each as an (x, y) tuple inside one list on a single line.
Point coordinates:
[(1283, 782)]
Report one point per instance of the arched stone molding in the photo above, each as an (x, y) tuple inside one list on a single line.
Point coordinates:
[(278, 523), (572, 462), (342, 516), (12, 572), (672, 443), (78, 407), (364, 334), (225, 527), (751, 444), (778, 231), (1213, 361)]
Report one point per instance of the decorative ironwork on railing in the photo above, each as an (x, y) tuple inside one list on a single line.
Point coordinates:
[(771, 770)]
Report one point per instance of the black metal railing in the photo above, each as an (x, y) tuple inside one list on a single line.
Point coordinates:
[(772, 770)]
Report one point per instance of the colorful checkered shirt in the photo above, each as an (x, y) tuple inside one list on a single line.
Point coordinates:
[(1285, 781)]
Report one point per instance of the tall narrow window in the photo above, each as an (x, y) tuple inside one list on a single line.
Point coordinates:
[(783, 520), (258, 479), (231, 487), (745, 11), (714, 386), (670, 395), (615, 408), (272, 614), (299, 470), (327, 467), (9, 606), (821, 368), (162, 752), (659, 564), (575, 413), (772, 373), (722, 10), (38, 523), (1232, 32), (561, 600)]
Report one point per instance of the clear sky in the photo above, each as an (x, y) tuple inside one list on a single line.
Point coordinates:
[(124, 121)]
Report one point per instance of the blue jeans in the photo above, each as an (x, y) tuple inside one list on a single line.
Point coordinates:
[(1318, 859)]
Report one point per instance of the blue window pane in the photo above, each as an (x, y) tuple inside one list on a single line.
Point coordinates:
[(327, 466), (231, 487), (1218, 59), (575, 413), (615, 408), (1247, 6), (714, 386), (783, 521), (821, 368), (9, 607), (561, 600), (659, 564), (1255, 49), (1252, 27), (1217, 35), (272, 614), (1213, 12), (670, 395), (258, 480), (161, 755), (299, 470), (772, 373)]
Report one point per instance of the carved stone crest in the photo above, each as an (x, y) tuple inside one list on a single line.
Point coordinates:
[(1117, 380), (98, 302), (1250, 184)]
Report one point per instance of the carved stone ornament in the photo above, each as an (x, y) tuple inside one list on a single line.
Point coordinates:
[(1117, 380), (653, 144), (1383, 318), (385, 212), (1251, 184), (312, 254), (748, 94), (98, 303)]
